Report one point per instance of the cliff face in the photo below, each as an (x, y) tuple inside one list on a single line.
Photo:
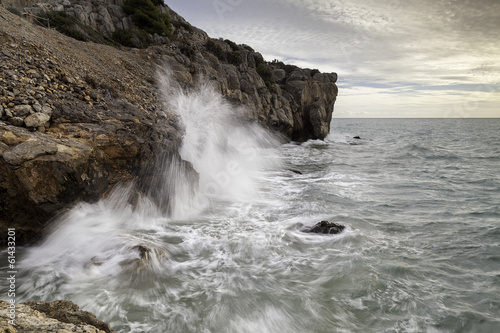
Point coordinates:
[(77, 117)]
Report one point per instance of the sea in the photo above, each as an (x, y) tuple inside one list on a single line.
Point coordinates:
[(419, 199)]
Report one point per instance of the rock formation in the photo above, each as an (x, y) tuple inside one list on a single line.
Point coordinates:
[(77, 117), (326, 227), (57, 316)]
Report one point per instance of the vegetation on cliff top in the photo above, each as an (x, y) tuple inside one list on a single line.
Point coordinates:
[(232, 57), (147, 16)]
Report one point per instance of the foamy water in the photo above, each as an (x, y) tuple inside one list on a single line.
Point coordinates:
[(420, 252)]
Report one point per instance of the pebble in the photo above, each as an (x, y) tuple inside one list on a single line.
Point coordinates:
[(16, 121), (37, 107)]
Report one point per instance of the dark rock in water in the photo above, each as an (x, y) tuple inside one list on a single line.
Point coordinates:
[(295, 171), (325, 227), (357, 137), (147, 255)]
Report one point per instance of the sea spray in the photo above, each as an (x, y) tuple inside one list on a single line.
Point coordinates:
[(227, 150), (114, 236)]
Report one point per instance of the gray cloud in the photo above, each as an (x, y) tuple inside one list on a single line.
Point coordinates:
[(383, 44)]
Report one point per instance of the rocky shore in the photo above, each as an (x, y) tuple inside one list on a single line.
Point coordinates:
[(57, 316), (77, 117)]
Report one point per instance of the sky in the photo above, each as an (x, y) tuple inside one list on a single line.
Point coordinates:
[(394, 58)]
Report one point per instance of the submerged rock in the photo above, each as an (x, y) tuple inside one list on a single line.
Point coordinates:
[(325, 227), (57, 316), (135, 258)]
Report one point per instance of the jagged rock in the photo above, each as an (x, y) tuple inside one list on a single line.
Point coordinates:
[(325, 227), (139, 257), (37, 120), (29, 150), (279, 74), (57, 316), (41, 175)]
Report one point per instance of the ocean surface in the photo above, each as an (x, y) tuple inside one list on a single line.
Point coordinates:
[(420, 199)]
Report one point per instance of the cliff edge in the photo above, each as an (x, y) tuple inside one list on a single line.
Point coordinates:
[(77, 116)]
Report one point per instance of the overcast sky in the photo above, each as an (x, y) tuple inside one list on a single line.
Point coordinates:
[(394, 58)]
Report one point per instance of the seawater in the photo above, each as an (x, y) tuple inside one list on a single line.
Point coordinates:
[(421, 252)]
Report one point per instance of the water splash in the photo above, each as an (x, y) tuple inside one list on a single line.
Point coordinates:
[(117, 236), (228, 151)]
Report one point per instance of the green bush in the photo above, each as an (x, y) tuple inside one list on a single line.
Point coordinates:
[(188, 50), (232, 44), (258, 59), (147, 16), (234, 58), (184, 25), (216, 50), (123, 37), (266, 73), (288, 68)]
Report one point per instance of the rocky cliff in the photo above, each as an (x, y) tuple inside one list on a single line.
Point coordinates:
[(76, 117)]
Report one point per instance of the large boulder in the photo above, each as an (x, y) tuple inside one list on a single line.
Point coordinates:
[(40, 175)]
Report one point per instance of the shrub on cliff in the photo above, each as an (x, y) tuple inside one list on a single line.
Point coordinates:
[(188, 50), (232, 44), (216, 50), (147, 16), (266, 73), (234, 58), (123, 37), (287, 68), (258, 59), (185, 26)]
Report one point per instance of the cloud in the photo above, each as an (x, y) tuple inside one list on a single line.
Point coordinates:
[(406, 52)]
